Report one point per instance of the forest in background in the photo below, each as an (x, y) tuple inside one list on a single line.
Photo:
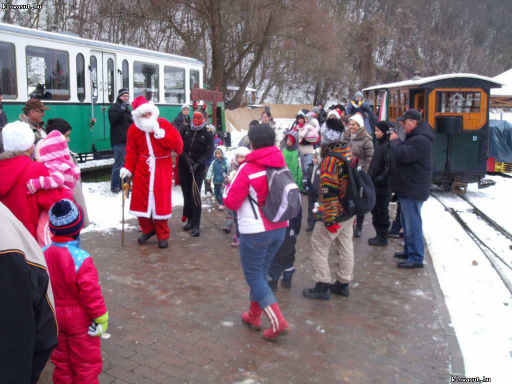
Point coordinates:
[(301, 51)]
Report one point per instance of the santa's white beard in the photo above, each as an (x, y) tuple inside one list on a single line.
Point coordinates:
[(146, 124)]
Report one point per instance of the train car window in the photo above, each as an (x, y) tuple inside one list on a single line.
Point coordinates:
[(126, 75), (146, 81), (8, 86), (80, 77), (457, 102), (111, 87), (194, 78), (93, 67), (47, 73), (174, 85)]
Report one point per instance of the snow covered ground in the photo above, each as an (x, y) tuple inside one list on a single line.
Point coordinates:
[(479, 304)]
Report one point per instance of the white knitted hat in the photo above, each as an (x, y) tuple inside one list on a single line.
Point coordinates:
[(17, 136), (358, 119)]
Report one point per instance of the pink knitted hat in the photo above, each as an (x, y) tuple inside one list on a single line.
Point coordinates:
[(54, 147)]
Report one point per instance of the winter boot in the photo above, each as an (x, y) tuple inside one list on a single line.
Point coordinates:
[(278, 325), (145, 237), (357, 230), (378, 241), (319, 292), (195, 232), (401, 255), (252, 318), (163, 243), (341, 289), (287, 278), (188, 226)]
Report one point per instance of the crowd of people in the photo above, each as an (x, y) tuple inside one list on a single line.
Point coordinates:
[(42, 204)]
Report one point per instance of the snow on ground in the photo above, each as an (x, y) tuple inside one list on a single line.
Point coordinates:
[(96, 163), (479, 304), (104, 207)]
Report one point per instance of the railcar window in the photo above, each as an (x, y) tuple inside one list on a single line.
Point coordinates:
[(47, 73), (8, 86), (93, 67), (110, 81), (80, 77), (458, 102), (145, 80), (174, 85), (194, 78), (126, 75)]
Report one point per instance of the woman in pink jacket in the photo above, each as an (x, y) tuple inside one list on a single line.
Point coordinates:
[(260, 239)]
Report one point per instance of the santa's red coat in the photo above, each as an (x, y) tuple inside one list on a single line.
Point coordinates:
[(150, 162)]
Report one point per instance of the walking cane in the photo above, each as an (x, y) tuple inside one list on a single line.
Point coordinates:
[(125, 192)]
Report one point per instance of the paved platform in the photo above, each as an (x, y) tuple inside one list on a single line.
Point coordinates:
[(175, 317)]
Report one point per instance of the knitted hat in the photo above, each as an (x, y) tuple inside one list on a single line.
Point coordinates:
[(66, 218), (333, 113), (58, 124), (242, 151), (17, 136), (358, 119), (185, 106), (123, 91)]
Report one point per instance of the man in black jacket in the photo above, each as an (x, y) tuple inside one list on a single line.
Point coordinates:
[(28, 327), (379, 172), (182, 121), (120, 118), (192, 167), (411, 179)]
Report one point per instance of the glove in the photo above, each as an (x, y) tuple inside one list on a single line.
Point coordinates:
[(333, 228), (159, 133), (124, 173), (99, 326), (183, 219)]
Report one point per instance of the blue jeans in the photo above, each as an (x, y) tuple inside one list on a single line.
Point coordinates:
[(218, 192), (257, 251), (306, 160), (413, 230), (119, 155)]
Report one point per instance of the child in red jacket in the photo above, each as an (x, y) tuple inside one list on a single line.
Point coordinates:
[(78, 299)]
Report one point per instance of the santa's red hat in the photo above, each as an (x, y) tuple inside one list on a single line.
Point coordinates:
[(140, 106)]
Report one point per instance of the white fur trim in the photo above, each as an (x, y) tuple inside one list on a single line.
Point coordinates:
[(17, 136), (144, 108)]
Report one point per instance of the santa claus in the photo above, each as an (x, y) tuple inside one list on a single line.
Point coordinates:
[(148, 162)]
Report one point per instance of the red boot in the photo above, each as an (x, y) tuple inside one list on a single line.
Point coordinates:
[(253, 317), (278, 324)]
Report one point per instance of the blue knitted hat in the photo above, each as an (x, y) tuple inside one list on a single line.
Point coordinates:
[(66, 218)]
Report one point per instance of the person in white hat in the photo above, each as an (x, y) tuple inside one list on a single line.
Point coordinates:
[(149, 163), (15, 172), (182, 121)]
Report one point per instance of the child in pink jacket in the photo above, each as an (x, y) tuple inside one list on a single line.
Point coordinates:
[(53, 152)]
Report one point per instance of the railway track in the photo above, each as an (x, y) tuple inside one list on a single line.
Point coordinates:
[(494, 241)]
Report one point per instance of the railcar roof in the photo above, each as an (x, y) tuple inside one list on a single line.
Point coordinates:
[(421, 81), (93, 43)]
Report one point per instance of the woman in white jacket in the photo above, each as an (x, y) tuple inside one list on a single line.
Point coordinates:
[(309, 135)]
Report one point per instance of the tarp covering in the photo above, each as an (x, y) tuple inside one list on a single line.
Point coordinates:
[(500, 141)]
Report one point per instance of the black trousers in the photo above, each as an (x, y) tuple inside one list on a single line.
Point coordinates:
[(191, 208), (285, 257), (312, 199), (380, 213)]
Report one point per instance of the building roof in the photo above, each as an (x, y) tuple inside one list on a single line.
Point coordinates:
[(430, 79), (71, 39), (235, 88), (506, 79)]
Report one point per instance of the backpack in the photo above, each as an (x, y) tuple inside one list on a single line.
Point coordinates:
[(360, 196), (283, 200)]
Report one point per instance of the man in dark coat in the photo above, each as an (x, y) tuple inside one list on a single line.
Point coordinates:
[(192, 167), (28, 327), (411, 179), (311, 183), (182, 121), (379, 172), (120, 118)]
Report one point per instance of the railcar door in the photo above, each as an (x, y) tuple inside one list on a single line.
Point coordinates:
[(103, 90)]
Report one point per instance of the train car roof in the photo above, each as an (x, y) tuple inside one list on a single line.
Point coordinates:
[(66, 38), (450, 77)]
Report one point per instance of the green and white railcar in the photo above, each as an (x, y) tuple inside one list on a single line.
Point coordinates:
[(78, 79)]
